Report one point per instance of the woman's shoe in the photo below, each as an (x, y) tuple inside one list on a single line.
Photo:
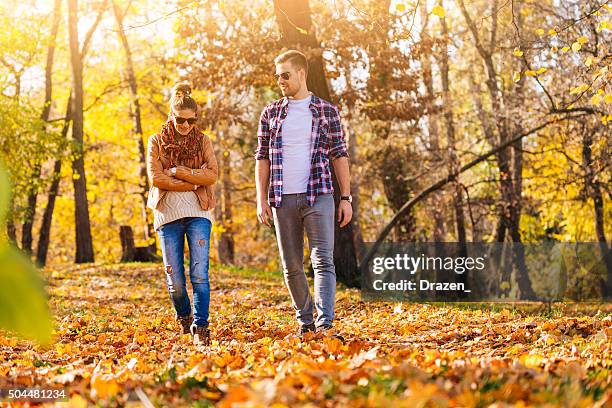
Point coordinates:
[(186, 322)]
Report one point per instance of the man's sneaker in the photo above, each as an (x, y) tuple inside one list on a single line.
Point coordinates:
[(327, 330), (186, 322), (201, 335), (306, 328)]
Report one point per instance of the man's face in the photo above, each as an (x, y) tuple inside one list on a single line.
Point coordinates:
[(289, 78)]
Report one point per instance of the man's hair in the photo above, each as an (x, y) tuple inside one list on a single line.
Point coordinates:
[(296, 58)]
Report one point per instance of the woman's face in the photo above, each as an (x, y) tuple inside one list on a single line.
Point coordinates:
[(184, 120)]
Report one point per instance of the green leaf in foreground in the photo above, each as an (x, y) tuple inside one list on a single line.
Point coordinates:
[(23, 301)]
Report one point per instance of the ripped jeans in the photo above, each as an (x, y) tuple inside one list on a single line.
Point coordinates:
[(172, 240)]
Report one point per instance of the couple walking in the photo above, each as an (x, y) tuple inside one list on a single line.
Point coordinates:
[(299, 139)]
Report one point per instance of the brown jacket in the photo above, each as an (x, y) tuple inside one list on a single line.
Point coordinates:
[(205, 175)]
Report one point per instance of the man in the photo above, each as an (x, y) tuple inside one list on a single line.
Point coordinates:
[(299, 136)]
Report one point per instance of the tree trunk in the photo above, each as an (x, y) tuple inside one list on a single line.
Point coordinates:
[(84, 244), (292, 15), (26, 232), (516, 205), (353, 151), (45, 228), (593, 189), (295, 23), (510, 211), (436, 203), (11, 230), (149, 231), (450, 139), (225, 244), (397, 189)]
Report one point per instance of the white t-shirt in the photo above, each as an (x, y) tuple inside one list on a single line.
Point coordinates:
[(296, 146)]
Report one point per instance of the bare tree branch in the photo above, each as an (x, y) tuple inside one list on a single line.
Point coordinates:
[(451, 177)]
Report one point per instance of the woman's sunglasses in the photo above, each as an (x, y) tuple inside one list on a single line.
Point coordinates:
[(181, 120)]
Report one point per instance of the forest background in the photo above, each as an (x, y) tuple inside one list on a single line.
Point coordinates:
[(423, 88)]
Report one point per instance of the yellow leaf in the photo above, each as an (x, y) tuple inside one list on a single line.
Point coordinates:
[(516, 77), (541, 71), (605, 25), (530, 72), (104, 387), (588, 61), (531, 360), (438, 11), (400, 7), (552, 32), (583, 40), (540, 31), (578, 89), (76, 401), (517, 52), (62, 349), (576, 46), (596, 99), (608, 98), (565, 49)]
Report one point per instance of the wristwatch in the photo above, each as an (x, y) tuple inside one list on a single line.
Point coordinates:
[(348, 198), (173, 170)]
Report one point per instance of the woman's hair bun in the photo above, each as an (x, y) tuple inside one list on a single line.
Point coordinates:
[(181, 89), (181, 97)]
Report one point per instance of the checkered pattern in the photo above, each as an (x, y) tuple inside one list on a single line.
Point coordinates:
[(327, 144)]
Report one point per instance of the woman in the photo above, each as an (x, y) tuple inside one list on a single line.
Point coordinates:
[(182, 169)]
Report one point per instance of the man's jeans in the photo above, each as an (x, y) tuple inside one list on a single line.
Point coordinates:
[(290, 219), (172, 240)]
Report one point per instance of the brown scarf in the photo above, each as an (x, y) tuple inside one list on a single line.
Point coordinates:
[(180, 149)]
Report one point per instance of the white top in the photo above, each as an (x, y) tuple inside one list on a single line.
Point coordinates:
[(296, 138), (178, 204)]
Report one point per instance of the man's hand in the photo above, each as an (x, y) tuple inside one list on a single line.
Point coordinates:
[(345, 213), (264, 212)]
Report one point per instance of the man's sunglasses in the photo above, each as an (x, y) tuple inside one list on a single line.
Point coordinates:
[(181, 120), (284, 75)]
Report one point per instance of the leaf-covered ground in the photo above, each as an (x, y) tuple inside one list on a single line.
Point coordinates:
[(117, 344)]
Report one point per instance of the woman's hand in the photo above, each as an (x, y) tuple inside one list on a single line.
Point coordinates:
[(182, 171), (168, 172)]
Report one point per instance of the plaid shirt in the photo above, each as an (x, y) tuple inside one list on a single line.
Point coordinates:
[(327, 143)]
